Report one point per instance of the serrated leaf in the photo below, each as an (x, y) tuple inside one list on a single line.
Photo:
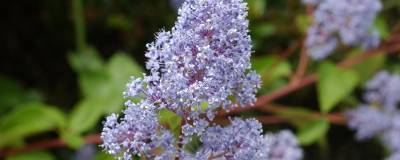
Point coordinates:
[(333, 85), (171, 120), (38, 155), (29, 119), (312, 131)]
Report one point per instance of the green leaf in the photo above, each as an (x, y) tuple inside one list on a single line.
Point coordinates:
[(193, 145), (303, 22), (263, 30), (74, 141), (38, 155), (86, 61), (333, 85), (293, 114), (103, 92), (269, 70), (29, 119), (104, 156), (369, 67), (257, 7), (171, 120), (86, 115), (120, 68), (94, 84), (381, 26), (312, 131), (90, 68), (12, 94)]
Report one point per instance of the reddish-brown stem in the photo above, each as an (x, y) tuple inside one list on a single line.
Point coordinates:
[(391, 45), (287, 53), (52, 143), (335, 118), (302, 67)]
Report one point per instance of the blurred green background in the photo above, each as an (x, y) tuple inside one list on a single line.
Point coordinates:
[(64, 65)]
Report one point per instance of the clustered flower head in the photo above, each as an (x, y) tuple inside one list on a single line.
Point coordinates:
[(349, 21), (203, 61), (284, 146), (380, 117), (202, 64), (176, 3)]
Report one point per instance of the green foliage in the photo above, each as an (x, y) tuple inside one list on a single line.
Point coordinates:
[(369, 67), (102, 87), (263, 30), (312, 131), (381, 26), (303, 22), (86, 61), (171, 120), (39, 155), (333, 85), (272, 70), (193, 145), (73, 141), (13, 94), (103, 156), (257, 8), (29, 119)]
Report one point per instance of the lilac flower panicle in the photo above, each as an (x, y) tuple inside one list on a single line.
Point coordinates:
[(384, 89), (351, 20), (197, 67), (380, 118), (391, 137), (176, 3), (134, 134), (394, 156), (311, 2), (205, 59), (367, 121), (284, 146), (242, 139)]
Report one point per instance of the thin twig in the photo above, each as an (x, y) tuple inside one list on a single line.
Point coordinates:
[(52, 143), (392, 45), (302, 67)]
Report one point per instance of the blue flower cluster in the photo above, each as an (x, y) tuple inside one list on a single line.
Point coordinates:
[(380, 117), (347, 20), (284, 146), (201, 65)]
